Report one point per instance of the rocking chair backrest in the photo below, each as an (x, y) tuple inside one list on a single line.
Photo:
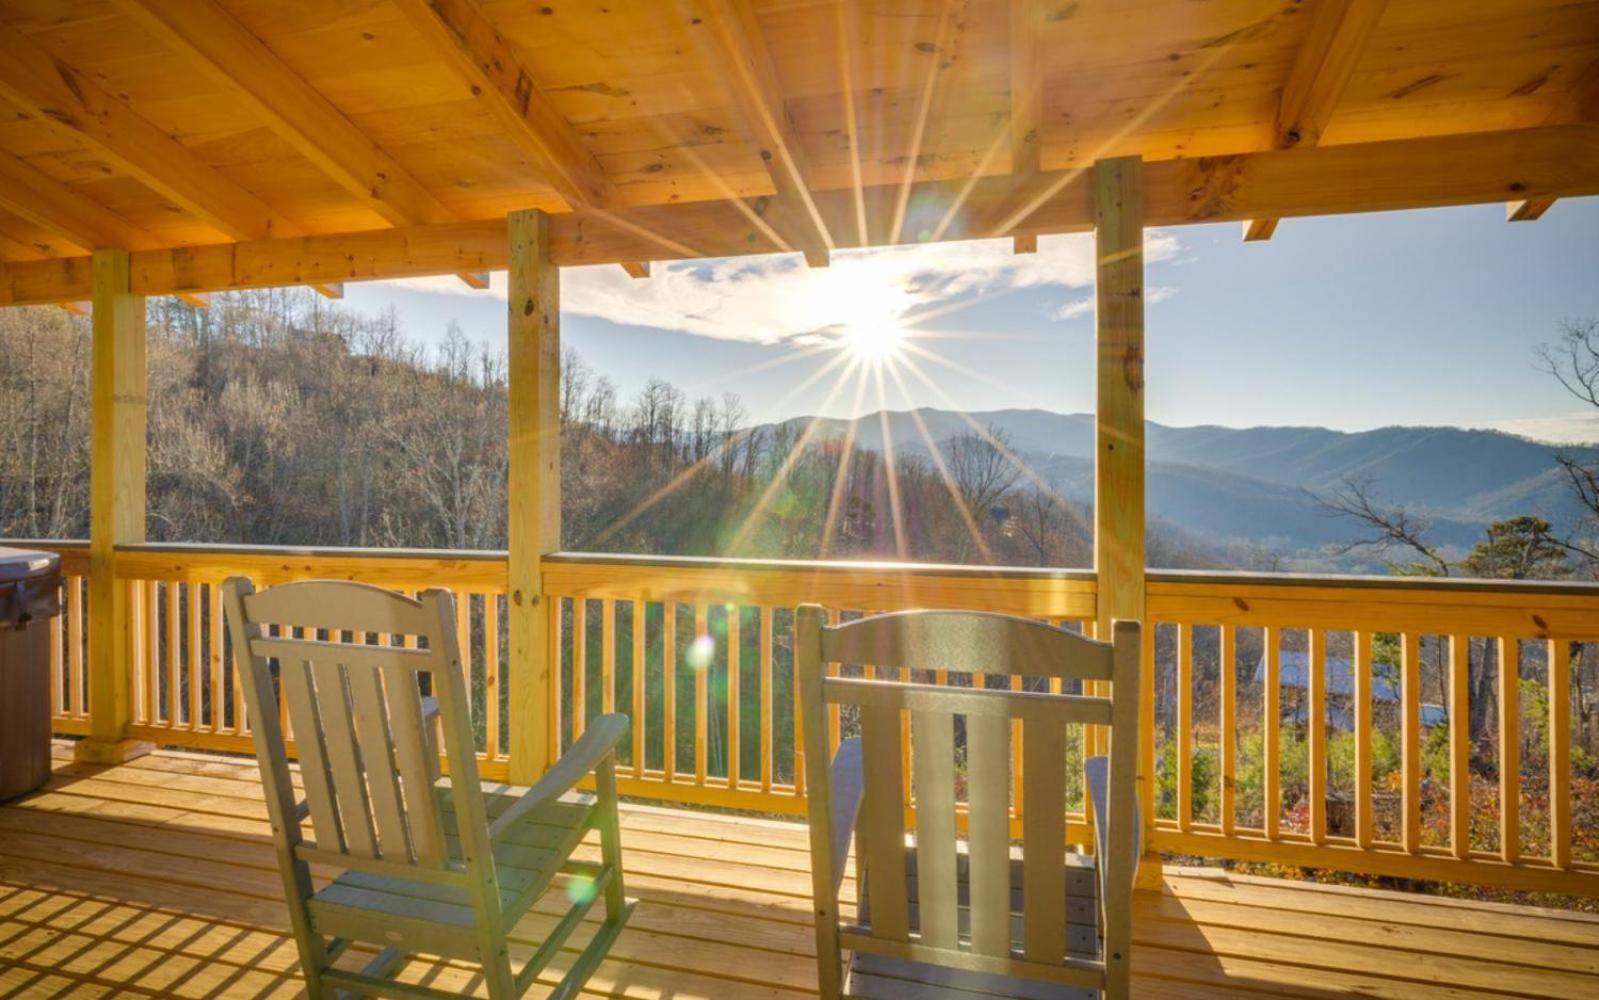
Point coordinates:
[(925, 922), (369, 763)]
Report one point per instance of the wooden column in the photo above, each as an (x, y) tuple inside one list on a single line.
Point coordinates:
[(1119, 429), (116, 501), (534, 484)]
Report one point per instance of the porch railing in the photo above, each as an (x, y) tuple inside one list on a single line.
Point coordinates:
[(1444, 748)]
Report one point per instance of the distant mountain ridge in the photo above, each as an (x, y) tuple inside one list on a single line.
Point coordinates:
[(1255, 484)]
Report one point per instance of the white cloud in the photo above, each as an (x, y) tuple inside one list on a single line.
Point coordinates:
[(1581, 427), (1073, 309), (1085, 307), (770, 299)]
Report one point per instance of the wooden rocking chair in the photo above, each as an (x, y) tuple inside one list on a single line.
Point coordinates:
[(434, 865), (939, 918)]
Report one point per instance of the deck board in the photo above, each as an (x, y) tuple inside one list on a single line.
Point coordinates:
[(156, 878)]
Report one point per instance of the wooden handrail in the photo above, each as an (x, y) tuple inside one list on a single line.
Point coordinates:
[(713, 747)]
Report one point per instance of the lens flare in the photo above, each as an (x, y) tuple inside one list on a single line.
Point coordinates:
[(701, 651), (873, 341)]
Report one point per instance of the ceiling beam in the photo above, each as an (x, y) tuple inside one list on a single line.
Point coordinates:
[(750, 77), (463, 34), (1026, 97), (1339, 30), (45, 86), (1580, 103), (1485, 167), (636, 269), (212, 39), (28, 192)]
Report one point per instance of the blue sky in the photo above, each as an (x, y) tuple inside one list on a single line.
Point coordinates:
[(1351, 322)]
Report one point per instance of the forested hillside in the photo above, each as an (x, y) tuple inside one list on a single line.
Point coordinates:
[(279, 418)]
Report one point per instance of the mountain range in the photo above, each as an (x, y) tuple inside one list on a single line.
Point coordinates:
[(1258, 485)]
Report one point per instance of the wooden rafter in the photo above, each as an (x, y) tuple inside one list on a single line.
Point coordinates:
[(211, 38), (1026, 97), (1549, 161), (752, 82), (1339, 30), (46, 86), (463, 34), (28, 192)]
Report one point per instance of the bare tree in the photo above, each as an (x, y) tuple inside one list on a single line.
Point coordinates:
[(1573, 360), (981, 466), (1387, 527)]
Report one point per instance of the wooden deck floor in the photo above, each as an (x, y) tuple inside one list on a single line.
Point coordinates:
[(155, 879)]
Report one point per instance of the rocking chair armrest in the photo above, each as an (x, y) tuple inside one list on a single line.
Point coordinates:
[(848, 783), (1098, 773), (591, 751)]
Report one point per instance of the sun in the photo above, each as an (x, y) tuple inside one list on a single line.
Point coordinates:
[(873, 341)]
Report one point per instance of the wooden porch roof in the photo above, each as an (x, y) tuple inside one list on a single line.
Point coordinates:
[(660, 129)]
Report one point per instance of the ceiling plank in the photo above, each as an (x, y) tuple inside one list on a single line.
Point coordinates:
[(463, 34), (33, 195), (210, 37), (1542, 162), (750, 76), (45, 86), (1339, 30), (230, 54), (1026, 97)]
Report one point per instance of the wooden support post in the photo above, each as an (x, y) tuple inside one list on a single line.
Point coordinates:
[(1119, 422), (116, 502), (534, 483)]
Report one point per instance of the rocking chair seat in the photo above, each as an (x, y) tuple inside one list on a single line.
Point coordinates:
[(526, 860)]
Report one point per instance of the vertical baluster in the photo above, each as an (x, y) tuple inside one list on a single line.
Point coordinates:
[(1185, 726), (1509, 749), (174, 662), (57, 663), (241, 725), (607, 655), (1410, 739), (905, 740), (1271, 762), (1016, 804), (195, 660), (1560, 752), (799, 728), (553, 609), (702, 691), (639, 661), (669, 689), (214, 621), (1362, 669), (766, 699), (463, 633), (834, 718), (1228, 682), (149, 671), (1146, 742), (75, 645), (1460, 745), (491, 673), (580, 665), (732, 695), (1316, 729)]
